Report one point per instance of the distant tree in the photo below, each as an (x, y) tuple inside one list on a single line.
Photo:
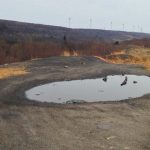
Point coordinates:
[(116, 43), (65, 40)]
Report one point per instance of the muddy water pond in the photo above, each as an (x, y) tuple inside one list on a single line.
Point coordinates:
[(110, 88)]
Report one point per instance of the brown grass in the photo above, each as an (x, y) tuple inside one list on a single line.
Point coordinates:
[(12, 71), (67, 53), (136, 55)]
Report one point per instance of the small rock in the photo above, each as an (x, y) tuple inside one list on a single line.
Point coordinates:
[(105, 79), (135, 82), (111, 137), (66, 66)]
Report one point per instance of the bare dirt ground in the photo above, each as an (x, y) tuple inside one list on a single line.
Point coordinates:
[(29, 125)]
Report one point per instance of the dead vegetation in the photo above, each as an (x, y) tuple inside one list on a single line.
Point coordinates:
[(12, 71), (137, 55)]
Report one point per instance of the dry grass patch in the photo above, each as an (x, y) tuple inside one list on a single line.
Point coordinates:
[(12, 71), (136, 55)]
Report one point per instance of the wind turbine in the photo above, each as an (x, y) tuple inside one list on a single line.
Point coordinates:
[(123, 27), (69, 22), (90, 22), (111, 25)]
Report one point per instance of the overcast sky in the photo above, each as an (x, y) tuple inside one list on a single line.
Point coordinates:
[(134, 14)]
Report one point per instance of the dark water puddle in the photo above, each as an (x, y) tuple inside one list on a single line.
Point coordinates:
[(110, 88)]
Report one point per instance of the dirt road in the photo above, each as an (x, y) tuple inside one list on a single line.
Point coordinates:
[(29, 125)]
